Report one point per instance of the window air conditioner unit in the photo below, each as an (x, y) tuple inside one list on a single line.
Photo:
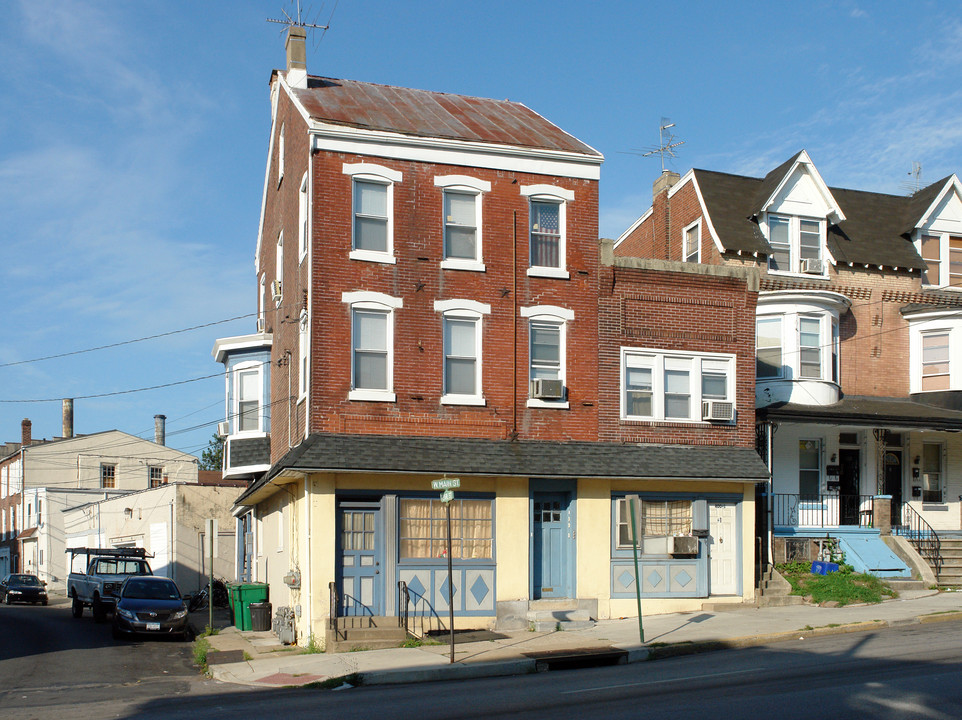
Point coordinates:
[(276, 290), (684, 545), (260, 324), (718, 410), (545, 389), (223, 428), (812, 266)]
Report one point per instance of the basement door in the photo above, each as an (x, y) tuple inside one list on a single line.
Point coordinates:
[(723, 549), (359, 551), (551, 545)]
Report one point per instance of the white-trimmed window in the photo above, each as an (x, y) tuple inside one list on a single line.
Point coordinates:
[(660, 385), (691, 242), (280, 155), (797, 244), (303, 345), (547, 210), (935, 361), (108, 475), (797, 346), (372, 345), (810, 347), (942, 253), (462, 201), (155, 476), (277, 291), (461, 342), (809, 469), (932, 472), (657, 521), (248, 393), (303, 219), (547, 330), (372, 234)]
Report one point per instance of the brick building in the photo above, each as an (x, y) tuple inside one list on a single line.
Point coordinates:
[(430, 287), (859, 336)]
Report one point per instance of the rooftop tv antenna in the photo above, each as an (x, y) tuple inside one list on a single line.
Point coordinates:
[(912, 186), (666, 144), (290, 22)]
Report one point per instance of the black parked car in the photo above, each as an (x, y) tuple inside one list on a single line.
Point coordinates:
[(150, 605), (22, 587)]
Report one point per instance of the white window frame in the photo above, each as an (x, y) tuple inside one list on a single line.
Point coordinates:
[(463, 310), (561, 317), (820, 449), (660, 362), (819, 347), (280, 154), (944, 260), (686, 252), (303, 219), (794, 243), (113, 475), (464, 185), (378, 302), (303, 354), (561, 197), (236, 372), (279, 266), (369, 172), (947, 333), (779, 320)]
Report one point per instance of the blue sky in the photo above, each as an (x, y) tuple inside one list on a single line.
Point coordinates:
[(133, 137)]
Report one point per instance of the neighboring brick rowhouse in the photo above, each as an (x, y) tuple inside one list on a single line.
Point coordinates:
[(676, 306)]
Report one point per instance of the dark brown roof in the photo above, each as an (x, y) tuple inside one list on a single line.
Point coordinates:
[(868, 411), (876, 230), (424, 113)]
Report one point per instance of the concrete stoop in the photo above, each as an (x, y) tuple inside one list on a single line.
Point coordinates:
[(364, 633), (951, 575), (772, 591), (561, 614)]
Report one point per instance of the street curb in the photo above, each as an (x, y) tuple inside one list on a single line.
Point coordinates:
[(474, 671)]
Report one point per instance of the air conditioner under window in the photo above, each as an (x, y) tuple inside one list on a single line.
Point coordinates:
[(718, 410), (684, 545), (276, 290), (812, 266), (260, 324), (223, 428), (545, 389)]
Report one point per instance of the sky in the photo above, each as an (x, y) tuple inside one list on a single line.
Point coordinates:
[(133, 143)]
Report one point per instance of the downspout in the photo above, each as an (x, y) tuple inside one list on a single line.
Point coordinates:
[(514, 326)]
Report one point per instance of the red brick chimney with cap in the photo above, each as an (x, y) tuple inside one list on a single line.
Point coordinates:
[(25, 432)]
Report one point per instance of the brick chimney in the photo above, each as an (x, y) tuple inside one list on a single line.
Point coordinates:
[(25, 432), (160, 429), (68, 417), (661, 214), (296, 57)]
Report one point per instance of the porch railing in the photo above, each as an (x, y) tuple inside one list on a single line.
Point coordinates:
[(403, 602), (415, 614), (920, 534), (335, 607), (828, 510)]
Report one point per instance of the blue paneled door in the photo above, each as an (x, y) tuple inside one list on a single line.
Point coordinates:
[(551, 537), (361, 585)]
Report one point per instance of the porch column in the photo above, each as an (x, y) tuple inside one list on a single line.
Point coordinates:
[(882, 514)]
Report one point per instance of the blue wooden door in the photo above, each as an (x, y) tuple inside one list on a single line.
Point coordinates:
[(360, 561), (550, 545)]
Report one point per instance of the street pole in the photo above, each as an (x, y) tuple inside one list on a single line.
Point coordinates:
[(210, 580), (450, 583), (631, 500)]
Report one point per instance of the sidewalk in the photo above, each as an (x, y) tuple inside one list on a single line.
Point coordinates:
[(256, 659)]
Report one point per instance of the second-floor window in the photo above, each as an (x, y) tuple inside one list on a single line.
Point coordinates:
[(691, 250), (372, 345), (796, 244), (461, 330), (248, 389), (303, 207), (155, 476), (935, 361), (108, 475), (672, 386)]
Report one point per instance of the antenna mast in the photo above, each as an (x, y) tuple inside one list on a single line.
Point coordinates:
[(666, 143), (291, 22), (912, 186)]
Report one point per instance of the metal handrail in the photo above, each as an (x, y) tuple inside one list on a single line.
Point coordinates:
[(422, 610), (335, 606), (922, 537), (822, 510), (403, 601)]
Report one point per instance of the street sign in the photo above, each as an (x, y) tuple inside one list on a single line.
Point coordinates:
[(446, 484), (447, 496)]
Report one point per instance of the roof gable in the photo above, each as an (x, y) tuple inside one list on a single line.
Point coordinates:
[(792, 186), (937, 207)]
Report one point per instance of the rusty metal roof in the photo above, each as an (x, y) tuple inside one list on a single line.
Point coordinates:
[(423, 113)]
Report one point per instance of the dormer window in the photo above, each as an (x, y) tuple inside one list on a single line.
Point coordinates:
[(796, 244), (942, 253)]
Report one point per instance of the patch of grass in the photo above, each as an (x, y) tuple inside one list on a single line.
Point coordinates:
[(248, 656), (843, 587), (313, 646), (413, 642), (331, 683), (359, 648), (201, 648), (208, 631)]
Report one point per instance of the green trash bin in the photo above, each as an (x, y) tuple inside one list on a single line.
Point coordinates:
[(242, 596)]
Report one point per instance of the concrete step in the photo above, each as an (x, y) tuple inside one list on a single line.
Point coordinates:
[(340, 646), (780, 600), (903, 584), (568, 618)]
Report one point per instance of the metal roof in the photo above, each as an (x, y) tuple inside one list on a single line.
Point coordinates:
[(424, 113)]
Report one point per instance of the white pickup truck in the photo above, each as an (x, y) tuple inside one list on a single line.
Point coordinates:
[(107, 568)]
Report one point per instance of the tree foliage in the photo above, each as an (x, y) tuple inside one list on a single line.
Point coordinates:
[(213, 457)]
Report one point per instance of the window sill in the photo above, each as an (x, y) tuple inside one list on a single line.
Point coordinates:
[(789, 273), (463, 400), (372, 395), (548, 404), (371, 256), (247, 435), (548, 272), (676, 421), (460, 264)]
